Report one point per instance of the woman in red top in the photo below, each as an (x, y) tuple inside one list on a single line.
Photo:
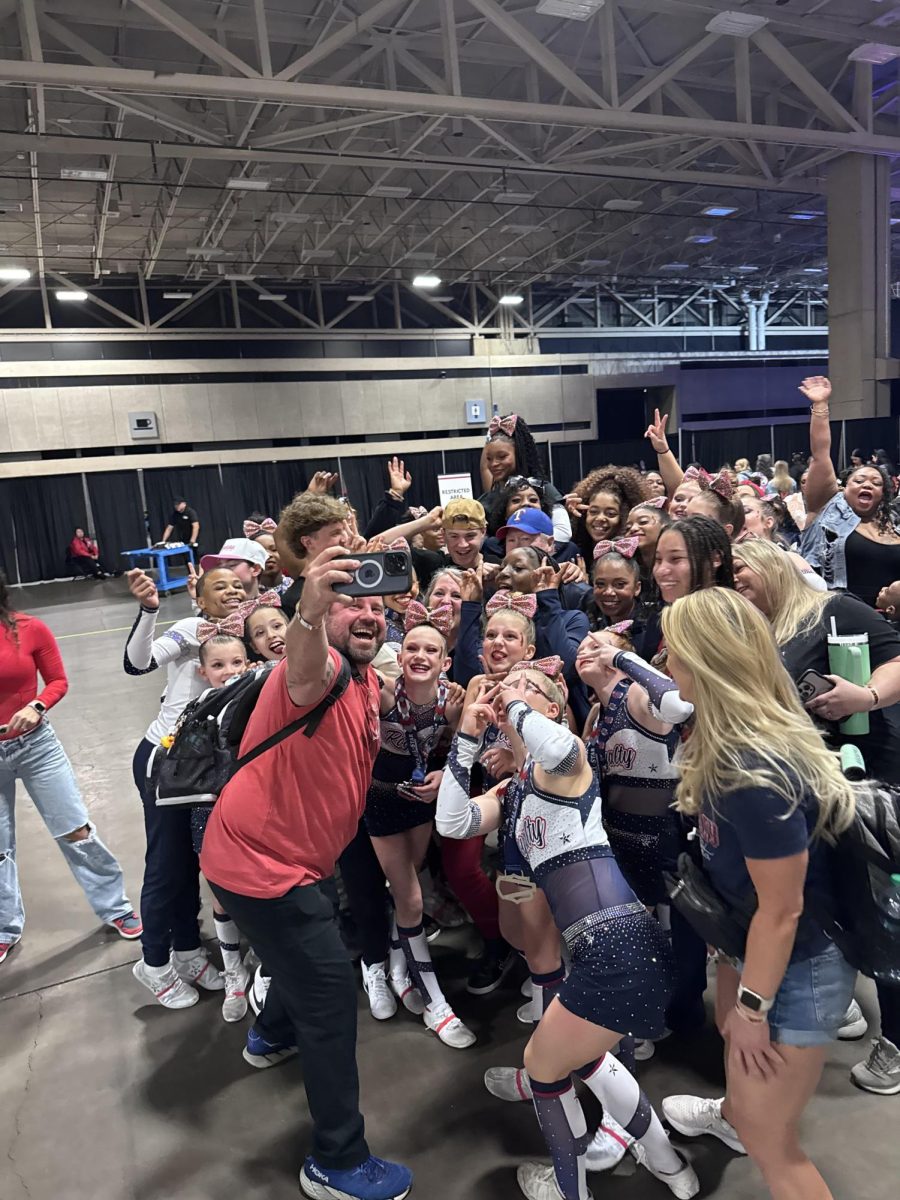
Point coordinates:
[(30, 752), (83, 555)]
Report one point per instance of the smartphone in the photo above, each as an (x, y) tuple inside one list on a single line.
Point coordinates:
[(406, 790), (811, 684), (383, 573)]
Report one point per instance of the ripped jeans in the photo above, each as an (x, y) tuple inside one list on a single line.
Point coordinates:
[(39, 761)]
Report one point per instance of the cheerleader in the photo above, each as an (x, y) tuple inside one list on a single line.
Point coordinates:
[(621, 962)]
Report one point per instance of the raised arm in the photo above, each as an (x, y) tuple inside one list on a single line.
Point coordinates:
[(669, 466), (310, 666), (821, 482), (666, 704), (457, 815), (144, 651)]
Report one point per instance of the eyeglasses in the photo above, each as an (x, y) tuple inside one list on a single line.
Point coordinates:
[(516, 482), (533, 689)]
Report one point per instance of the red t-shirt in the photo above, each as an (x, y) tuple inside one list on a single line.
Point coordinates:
[(284, 818), (31, 649)]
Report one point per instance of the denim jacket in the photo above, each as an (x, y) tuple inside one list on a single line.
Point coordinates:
[(823, 541)]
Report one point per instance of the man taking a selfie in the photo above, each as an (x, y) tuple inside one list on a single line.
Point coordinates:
[(270, 849)]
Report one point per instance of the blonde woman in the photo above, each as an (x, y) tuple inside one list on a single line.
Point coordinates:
[(768, 796)]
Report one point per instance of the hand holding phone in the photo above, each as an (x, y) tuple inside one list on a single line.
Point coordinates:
[(812, 684)]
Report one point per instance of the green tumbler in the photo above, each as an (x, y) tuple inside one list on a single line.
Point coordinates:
[(848, 656)]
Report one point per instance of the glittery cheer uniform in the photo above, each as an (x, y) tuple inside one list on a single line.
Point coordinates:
[(414, 738), (621, 968), (634, 766)]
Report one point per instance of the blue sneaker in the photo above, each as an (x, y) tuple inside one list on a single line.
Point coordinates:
[(374, 1179), (260, 1053)]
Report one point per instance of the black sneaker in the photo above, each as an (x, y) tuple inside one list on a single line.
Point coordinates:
[(490, 968)]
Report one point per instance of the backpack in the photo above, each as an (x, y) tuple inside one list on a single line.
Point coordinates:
[(203, 756), (865, 923)]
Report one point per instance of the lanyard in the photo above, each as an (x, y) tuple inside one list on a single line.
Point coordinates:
[(599, 735), (404, 712)]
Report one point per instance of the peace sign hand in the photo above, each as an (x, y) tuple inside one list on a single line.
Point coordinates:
[(656, 432)]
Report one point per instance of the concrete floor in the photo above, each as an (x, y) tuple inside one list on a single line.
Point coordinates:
[(105, 1096)]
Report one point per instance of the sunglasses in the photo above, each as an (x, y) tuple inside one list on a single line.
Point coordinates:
[(516, 482)]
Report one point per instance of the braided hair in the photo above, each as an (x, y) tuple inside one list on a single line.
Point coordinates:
[(497, 516), (884, 515), (704, 538), (7, 616), (529, 460)]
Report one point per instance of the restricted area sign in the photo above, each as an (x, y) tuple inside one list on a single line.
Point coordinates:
[(454, 487)]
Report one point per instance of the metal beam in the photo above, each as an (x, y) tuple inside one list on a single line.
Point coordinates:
[(638, 95), (327, 46), (535, 50), (65, 282), (795, 71), (451, 56), (262, 38), (606, 20), (103, 214), (167, 219), (195, 37), (30, 38)]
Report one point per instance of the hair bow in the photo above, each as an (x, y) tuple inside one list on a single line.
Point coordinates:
[(619, 627), (266, 525), (399, 543), (441, 617), (233, 625), (519, 602), (720, 484), (551, 666), (696, 473), (505, 425), (657, 502), (417, 510), (266, 600), (627, 547)]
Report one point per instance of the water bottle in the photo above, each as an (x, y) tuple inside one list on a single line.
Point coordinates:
[(852, 762), (886, 890)]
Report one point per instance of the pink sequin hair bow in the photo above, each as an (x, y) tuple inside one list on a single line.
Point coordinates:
[(519, 602), (619, 627), (657, 502), (551, 666), (232, 626), (720, 484), (253, 528), (697, 473), (627, 547), (505, 425), (441, 617)]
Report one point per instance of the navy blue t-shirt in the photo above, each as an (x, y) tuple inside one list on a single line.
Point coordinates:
[(753, 822)]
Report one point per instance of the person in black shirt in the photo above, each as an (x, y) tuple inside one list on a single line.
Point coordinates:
[(183, 524)]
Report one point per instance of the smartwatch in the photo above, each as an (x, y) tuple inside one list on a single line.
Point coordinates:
[(39, 706), (752, 1001)]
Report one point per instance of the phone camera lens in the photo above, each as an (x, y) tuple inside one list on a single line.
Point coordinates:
[(395, 563)]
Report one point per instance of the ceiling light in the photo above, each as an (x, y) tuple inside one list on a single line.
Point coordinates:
[(876, 53), (177, 295), (701, 239), (245, 184), (14, 274), (91, 176), (571, 10), (317, 255), (736, 24), (895, 220), (675, 266), (422, 256), (361, 297), (805, 216), (441, 299), (389, 192), (718, 210), (204, 251), (594, 262), (236, 277), (623, 205), (813, 270), (511, 298), (272, 296), (513, 197), (71, 294), (426, 281), (746, 268)]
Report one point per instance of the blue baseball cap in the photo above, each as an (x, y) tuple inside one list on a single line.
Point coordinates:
[(527, 520)]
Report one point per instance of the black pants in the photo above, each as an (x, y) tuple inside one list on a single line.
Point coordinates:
[(170, 893), (311, 1003), (889, 1003), (364, 883), (82, 564)]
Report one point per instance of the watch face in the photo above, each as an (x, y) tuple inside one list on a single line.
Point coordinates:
[(750, 1000)]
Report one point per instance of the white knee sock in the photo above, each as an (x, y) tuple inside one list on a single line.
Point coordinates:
[(229, 941), (421, 968), (621, 1096), (397, 967)]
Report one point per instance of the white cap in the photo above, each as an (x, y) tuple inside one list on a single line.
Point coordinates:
[(239, 548)]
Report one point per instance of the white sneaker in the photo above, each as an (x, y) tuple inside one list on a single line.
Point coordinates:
[(169, 989), (410, 997), (259, 989), (695, 1115), (443, 1021), (525, 1013), (854, 1024), (525, 989), (538, 1181), (234, 1006), (684, 1183), (508, 1083), (880, 1073), (382, 1004), (200, 971), (644, 1049), (608, 1146)]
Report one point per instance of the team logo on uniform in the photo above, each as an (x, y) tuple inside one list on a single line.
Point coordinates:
[(621, 756), (532, 834)]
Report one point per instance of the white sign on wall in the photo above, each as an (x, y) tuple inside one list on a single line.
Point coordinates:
[(454, 487), (476, 412)]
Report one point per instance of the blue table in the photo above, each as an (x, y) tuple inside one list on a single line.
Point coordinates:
[(160, 557)]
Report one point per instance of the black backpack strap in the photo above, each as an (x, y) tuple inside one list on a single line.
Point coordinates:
[(309, 722)]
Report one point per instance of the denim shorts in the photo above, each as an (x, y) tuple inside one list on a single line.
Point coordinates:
[(813, 998)]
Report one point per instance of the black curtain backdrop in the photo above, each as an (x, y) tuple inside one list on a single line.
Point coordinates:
[(872, 433), (424, 468), (564, 459), (118, 515), (7, 543), (202, 489), (715, 447), (46, 512)]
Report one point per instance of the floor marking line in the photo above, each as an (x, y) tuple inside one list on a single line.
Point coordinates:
[(61, 637)]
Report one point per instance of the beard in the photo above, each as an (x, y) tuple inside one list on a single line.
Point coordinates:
[(358, 653)]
